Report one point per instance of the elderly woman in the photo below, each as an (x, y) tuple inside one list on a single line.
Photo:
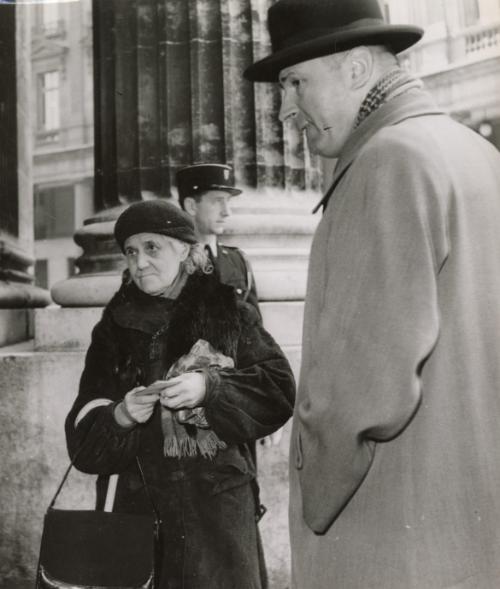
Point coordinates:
[(183, 376)]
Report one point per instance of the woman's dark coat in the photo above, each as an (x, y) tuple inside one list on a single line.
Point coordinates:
[(208, 507)]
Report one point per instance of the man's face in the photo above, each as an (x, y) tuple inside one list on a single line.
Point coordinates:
[(316, 98), (154, 260), (210, 212)]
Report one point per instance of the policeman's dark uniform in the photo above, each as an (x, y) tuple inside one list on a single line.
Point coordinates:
[(234, 269), (231, 264)]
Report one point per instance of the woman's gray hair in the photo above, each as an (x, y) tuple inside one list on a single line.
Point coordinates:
[(198, 259)]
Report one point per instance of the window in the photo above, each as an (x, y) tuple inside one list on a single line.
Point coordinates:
[(54, 212), (48, 101)]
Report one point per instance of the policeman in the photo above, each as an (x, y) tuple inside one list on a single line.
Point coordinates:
[(204, 193)]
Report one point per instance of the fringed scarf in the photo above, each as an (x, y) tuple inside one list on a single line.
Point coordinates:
[(186, 432)]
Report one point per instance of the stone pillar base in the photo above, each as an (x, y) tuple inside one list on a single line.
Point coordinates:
[(86, 290), (16, 325), (15, 295), (16, 303)]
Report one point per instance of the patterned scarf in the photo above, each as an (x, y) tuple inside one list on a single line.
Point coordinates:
[(395, 82)]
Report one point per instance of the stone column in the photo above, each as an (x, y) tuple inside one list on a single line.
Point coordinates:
[(169, 91), (17, 292)]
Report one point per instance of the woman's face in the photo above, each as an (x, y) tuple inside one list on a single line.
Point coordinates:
[(153, 260)]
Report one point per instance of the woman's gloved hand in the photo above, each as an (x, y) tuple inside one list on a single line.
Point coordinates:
[(137, 406)]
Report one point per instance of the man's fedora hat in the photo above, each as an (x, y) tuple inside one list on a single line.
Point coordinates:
[(305, 29)]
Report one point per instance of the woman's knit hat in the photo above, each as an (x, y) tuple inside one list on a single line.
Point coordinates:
[(154, 216)]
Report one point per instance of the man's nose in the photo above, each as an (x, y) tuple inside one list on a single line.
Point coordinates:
[(226, 209), (288, 109)]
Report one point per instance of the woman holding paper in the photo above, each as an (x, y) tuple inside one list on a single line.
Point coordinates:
[(182, 375)]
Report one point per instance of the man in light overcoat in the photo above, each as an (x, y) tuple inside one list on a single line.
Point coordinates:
[(395, 451)]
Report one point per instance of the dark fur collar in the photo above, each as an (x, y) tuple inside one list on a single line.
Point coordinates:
[(205, 309)]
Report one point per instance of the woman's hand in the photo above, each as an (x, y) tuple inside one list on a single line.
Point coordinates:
[(184, 391), (137, 406)]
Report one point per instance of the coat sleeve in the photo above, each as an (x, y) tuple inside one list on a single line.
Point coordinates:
[(256, 398), (97, 443), (377, 321)]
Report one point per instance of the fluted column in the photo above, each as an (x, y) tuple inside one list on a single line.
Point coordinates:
[(16, 201), (169, 91), (239, 100)]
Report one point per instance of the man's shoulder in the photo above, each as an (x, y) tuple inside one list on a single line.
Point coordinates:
[(230, 248), (232, 252), (409, 140)]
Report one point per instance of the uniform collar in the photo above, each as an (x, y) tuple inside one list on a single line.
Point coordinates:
[(212, 248)]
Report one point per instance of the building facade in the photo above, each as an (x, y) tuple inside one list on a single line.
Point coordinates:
[(458, 57), (62, 116)]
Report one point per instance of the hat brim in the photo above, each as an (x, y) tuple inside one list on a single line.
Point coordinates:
[(232, 191), (396, 37)]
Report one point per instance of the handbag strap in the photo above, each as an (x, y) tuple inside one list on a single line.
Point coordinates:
[(141, 473)]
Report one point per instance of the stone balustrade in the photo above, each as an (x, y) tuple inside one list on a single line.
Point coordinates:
[(482, 38), (449, 49)]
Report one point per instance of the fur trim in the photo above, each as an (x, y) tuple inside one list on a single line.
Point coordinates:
[(205, 309)]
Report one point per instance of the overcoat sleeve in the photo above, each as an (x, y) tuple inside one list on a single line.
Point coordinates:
[(100, 444), (257, 397), (374, 325)]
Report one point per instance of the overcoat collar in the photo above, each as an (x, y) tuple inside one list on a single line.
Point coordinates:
[(415, 103)]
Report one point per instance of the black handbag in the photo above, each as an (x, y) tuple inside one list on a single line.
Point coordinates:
[(99, 549)]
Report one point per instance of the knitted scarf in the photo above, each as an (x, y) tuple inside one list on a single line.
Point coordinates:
[(395, 82)]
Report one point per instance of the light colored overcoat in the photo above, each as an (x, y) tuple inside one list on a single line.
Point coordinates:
[(395, 452)]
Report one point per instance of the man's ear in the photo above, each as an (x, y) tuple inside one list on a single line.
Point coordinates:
[(362, 64), (190, 206)]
